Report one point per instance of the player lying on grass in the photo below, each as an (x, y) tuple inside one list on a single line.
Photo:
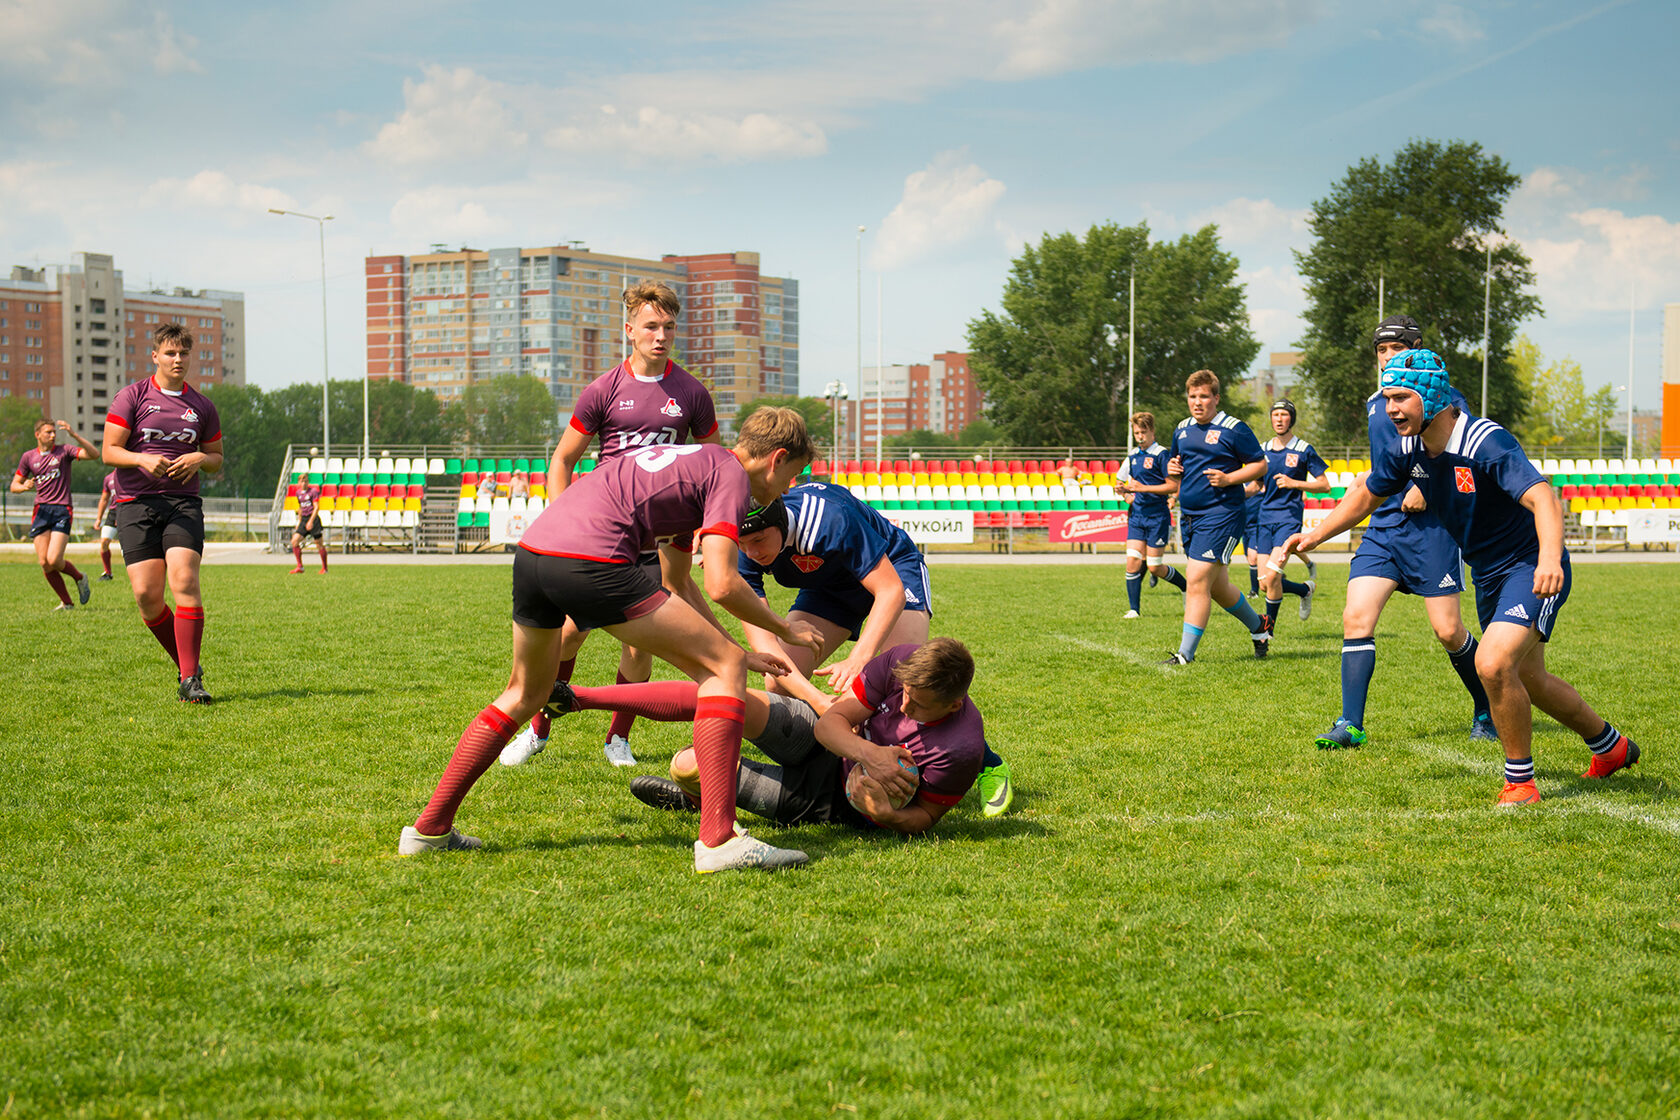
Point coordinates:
[(1211, 456), (859, 576), (1405, 549), (909, 707), (577, 561), (46, 471), (1506, 518), (1293, 467), (1148, 520)]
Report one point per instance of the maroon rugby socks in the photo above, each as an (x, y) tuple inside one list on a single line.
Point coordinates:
[(476, 751), (163, 629), (718, 722)]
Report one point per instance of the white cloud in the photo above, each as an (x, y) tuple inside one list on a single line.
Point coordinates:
[(88, 42), (441, 214), (652, 134), (944, 204), (449, 115), (1062, 35), (1453, 24), (217, 189), (1611, 256), (1250, 220)]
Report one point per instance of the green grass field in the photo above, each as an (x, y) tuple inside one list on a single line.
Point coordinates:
[(1189, 912)]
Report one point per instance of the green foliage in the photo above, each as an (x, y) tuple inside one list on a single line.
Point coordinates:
[(1561, 413), (1189, 912), (980, 432), (18, 417), (510, 409), (1423, 224), (921, 437), (1053, 363), (819, 418)]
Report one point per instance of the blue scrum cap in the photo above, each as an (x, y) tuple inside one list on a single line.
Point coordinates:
[(1423, 372)]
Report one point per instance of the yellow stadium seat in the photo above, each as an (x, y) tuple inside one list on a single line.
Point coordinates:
[(290, 503)]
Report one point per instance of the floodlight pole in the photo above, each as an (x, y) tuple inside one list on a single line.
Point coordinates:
[(326, 381), (857, 435), (1487, 306)]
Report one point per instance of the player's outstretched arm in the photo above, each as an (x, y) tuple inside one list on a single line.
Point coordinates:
[(1542, 501), (1354, 507), (884, 584), (837, 732), (726, 588)]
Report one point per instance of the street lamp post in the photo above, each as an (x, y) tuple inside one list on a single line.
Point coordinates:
[(858, 369), (326, 428), (836, 392), (1627, 454)]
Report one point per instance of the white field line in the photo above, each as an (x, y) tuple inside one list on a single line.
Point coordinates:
[(1131, 656), (1574, 797)]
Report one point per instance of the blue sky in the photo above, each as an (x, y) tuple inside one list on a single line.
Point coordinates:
[(953, 132)]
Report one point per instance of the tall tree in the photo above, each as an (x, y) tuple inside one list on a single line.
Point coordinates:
[(510, 409), (1053, 363), (1561, 416), (818, 416), (1422, 224)]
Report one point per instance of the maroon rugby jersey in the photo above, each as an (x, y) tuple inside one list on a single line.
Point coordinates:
[(110, 486), (51, 471), (160, 422), (635, 502), (947, 751), (630, 412), (307, 499)]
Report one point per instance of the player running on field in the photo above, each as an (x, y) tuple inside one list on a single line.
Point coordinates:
[(859, 576), (1254, 496), (909, 707), (1507, 519), (1404, 548), (1293, 468), (1148, 520), (105, 516), (644, 401), (578, 561), (160, 433), (1210, 458), (46, 471), (309, 524)]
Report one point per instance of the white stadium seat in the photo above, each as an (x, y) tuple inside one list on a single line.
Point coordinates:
[(433, 466)]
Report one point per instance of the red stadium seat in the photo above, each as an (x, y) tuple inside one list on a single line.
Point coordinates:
[(364, 490), (381, 491), (469, 478), (949, 465), (819, 467), (918, 466), (901, 466), (1111, 467)]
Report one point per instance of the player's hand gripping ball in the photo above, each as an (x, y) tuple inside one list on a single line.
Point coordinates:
[(859, 779)]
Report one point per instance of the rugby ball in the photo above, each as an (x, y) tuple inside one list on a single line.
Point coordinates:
[(859, 774)]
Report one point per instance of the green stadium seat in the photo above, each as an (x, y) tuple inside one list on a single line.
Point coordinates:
[(452, 466), (481, 518), (463, 518)]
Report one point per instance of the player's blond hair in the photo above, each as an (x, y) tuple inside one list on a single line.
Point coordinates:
[(1144, 420), (772, 429), (1201, 378), (942, 666), (172, 332), (38, 424), (637, 296)]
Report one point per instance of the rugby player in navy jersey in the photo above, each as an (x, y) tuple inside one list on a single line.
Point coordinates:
[(859, 577), (46, 471), (160, 434), (1507, 520), (646, 400), (1211, 456), (1405, 549), (1293, 468), (578, 561), (1148, 520)]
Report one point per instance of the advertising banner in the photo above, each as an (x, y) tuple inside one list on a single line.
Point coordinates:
[(928, 526), (1089, 526)]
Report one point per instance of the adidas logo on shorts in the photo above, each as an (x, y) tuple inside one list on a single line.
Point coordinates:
[(1447, 581), (1209, 555), (1517, 611)]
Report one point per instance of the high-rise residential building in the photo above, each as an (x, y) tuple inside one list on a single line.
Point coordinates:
[(72, 335), (938, 396), (444, 319), (1280, 377)]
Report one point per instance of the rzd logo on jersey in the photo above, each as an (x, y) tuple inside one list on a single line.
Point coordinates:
[(807, 564), (1465, 479), (186, 435)]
